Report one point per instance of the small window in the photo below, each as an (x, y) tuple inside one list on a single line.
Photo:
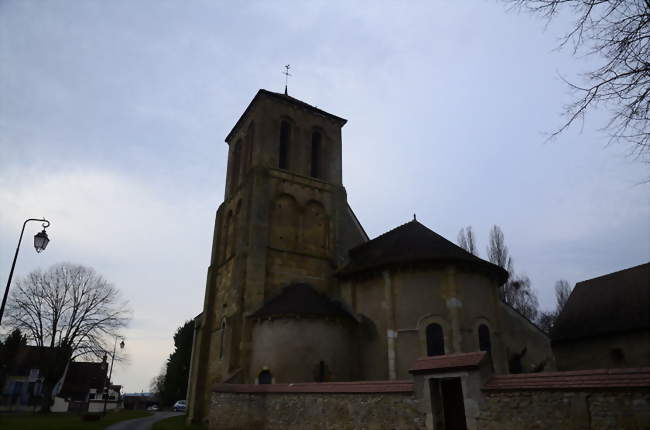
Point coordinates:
[(484, 343), (283, 156), (265, 377), (435, 340), (515, 362), (322, 372), (316, 155)]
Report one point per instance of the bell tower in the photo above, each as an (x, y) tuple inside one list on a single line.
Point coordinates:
[(284, 220)]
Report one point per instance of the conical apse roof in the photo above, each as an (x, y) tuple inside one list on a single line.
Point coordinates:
[(414, 243)]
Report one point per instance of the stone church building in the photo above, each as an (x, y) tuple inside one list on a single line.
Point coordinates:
[(296, 291)]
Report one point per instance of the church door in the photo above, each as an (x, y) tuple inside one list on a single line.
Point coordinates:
[(447, 404), (453, 404)]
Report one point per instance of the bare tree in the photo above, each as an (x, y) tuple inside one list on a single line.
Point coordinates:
[(157, 384), (562, 292), (517, 291), (467, 240), (546, 320), (497, 251), (618, 32), (68, 310)]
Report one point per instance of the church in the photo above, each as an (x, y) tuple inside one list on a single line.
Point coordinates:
[(297, 292)]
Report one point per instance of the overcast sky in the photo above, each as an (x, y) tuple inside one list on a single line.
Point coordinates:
[(113, 115)]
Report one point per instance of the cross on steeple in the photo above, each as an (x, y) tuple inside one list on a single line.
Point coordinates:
[(286, 78)]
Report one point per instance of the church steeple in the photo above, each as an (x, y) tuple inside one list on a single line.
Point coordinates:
[(284, 221), (277, 131)]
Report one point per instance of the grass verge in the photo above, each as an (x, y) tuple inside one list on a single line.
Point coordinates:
[(177, 423), (63, 421)]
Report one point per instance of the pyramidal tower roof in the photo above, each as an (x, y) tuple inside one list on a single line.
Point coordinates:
[(414, 243), (262, 93)]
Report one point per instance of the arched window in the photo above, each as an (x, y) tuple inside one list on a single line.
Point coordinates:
[(484, 343), (265, 377), (435, 340), (316, 162), (222, 338), (285, 136), (236, 164)]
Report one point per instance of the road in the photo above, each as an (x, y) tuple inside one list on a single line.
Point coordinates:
[(142, 423)]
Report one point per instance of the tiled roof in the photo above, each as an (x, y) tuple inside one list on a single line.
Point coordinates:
[(413, 242), (81, 377), (320, 387), (29, 357), (574, 380), (448, 362), (617, 302), (285, 98), (301, 299)]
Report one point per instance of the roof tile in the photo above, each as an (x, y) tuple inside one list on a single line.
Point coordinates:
[(448, 362), (413, 242), (301, 299), (617, 302), (573, 380)]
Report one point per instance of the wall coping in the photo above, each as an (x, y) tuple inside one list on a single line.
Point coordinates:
[(319, 387), (448, 362), (572, 380)]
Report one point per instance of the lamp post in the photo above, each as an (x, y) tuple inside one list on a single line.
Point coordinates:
[(108, 380), (40, 243)]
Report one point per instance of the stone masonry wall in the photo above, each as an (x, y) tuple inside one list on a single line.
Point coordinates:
[(570, 410), (315, 411)]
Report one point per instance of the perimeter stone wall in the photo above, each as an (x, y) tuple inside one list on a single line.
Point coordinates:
[(317, 411), (570, 410)]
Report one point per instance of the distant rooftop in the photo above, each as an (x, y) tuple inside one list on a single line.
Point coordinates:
[(82, 376), (29, 357), (613, 303)]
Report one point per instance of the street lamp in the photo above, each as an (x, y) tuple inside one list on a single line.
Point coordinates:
[(40, 243), (110, 375)]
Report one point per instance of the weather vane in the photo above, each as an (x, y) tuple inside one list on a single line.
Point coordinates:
[(286, 78)]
